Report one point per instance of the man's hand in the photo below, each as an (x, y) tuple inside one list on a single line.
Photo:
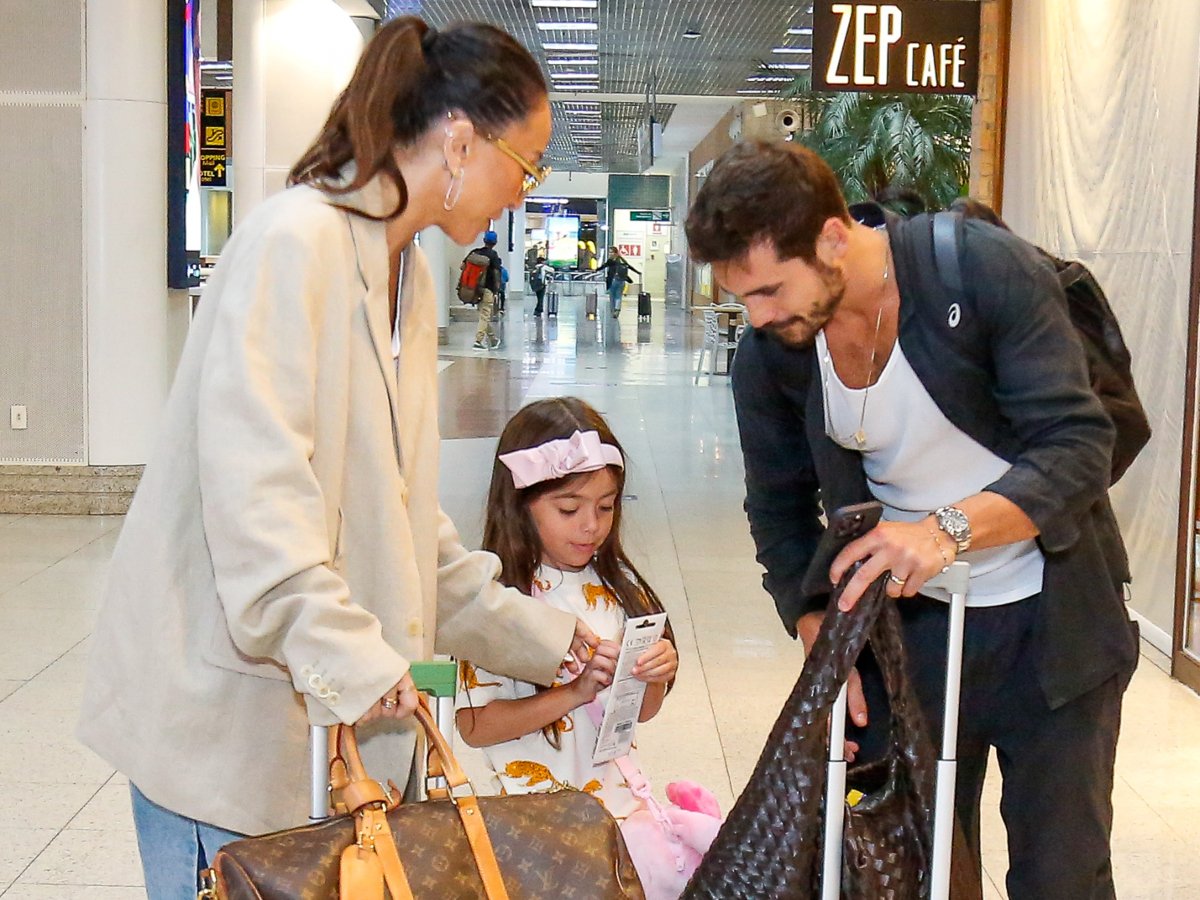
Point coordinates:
[(582, 644), (913, 552), (807, 627)]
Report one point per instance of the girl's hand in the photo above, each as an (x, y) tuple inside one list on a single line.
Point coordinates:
[(581, 647), (598, 673), (657, 665), (398, 703)]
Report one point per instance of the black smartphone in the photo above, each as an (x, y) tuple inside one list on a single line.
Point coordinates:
[(845, 525)]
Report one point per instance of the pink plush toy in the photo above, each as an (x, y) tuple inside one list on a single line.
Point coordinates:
[(668, 842)]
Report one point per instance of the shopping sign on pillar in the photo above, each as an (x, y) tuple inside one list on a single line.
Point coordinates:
[(214, 138)]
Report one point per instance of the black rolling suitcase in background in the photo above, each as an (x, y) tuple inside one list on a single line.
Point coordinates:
[(643, 307), (552, 303)]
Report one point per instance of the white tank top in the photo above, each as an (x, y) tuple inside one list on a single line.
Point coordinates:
[(916, 460)]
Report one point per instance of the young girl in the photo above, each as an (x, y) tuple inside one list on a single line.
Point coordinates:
[(554, 519)]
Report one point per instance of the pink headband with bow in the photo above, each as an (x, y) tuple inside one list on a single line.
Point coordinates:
[(581, 452)]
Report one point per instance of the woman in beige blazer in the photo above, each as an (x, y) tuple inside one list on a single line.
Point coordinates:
[(285, 556)]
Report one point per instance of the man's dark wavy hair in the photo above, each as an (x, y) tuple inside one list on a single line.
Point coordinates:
[(760, 191)]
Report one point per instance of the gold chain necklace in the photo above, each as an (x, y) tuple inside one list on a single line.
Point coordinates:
[(860, 436)]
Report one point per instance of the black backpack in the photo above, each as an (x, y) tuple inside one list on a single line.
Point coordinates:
[(536, 281), (1108, 358)]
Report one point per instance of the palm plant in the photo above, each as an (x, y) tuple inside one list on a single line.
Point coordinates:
[(873, 141)]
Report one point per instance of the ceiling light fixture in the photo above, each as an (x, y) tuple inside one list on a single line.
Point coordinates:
[(804, 30), (770, 78), (791, 50), (563, 4), (792, 66), (576, 87), (567, 26), (558, 45), (573, 61), (759, 92), (576, 76), (691, 34)]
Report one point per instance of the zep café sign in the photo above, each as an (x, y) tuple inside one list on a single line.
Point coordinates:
[(909, 46)]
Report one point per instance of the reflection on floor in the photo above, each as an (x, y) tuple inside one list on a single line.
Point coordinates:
[(64, 820)]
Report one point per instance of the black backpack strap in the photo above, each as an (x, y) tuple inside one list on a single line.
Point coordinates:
[(945, 249)]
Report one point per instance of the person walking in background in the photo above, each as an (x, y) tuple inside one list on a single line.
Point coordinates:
[(540, 276), (486, 337), (616, 275), (285, 557)]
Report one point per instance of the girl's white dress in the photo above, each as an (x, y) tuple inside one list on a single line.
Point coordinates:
[(530, 763)]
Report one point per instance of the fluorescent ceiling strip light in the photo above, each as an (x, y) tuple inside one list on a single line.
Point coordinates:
[(567, 26), (770, 78), (573, 61), (559, 45), (791, 50), (760, 91), (577, 87), (803, 30), (576, 76), (563, 4), (792, 66)]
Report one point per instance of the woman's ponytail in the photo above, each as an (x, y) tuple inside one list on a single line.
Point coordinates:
[(409, 75), (360, 127)]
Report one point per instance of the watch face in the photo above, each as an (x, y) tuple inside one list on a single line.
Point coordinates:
[(955, 519)]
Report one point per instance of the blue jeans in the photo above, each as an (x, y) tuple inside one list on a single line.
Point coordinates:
[(615, 291), (174, 848)]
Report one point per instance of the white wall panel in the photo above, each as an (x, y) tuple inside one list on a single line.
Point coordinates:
[(1100, 165), (41, 283), (41, 46)]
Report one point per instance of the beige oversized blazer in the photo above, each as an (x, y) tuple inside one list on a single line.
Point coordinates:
[(285, 555)]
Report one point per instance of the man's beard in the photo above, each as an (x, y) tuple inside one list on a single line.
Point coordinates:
[(801, 330)]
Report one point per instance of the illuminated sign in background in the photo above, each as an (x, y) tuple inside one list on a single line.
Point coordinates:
[(905, 47), (562, 235)]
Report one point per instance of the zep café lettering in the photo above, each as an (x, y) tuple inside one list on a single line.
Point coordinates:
[(909, 46)]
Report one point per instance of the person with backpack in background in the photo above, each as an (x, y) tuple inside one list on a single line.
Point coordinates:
[(485, 282), (540, 276), (616, 275), (970, 417)]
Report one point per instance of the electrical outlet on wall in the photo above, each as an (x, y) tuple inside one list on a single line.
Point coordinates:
[(18, 418)]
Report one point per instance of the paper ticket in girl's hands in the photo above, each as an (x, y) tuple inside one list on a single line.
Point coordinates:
[(625, 694)]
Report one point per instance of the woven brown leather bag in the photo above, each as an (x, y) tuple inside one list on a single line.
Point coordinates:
[(454, 847), (771, 842)]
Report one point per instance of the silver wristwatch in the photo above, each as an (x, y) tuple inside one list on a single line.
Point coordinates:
[(953, 521)]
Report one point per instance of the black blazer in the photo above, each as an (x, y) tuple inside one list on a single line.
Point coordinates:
[(1030, 404)]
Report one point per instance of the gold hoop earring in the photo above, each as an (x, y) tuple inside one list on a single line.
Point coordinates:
[(456, 188)]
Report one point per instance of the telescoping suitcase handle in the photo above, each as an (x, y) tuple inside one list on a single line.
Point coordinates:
[(956, 580), (437, 678)]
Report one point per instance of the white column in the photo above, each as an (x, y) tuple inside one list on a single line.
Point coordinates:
[(249, 108), (135, 326), (291, 59), (434, 244)]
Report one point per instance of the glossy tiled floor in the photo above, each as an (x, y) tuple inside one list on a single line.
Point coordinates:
[(65, 829)]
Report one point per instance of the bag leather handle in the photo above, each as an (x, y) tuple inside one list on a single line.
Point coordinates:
[(366, 798)]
